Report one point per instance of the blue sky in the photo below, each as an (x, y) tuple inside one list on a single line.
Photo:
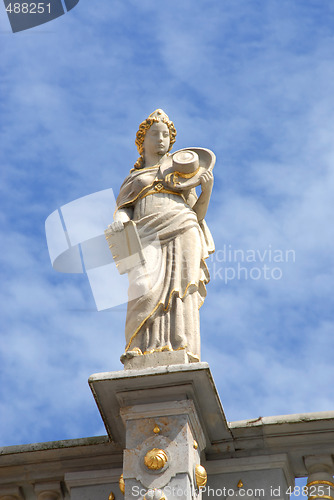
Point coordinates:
[(253, 81)]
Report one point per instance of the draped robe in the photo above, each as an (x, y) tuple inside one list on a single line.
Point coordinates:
[(165, 293)]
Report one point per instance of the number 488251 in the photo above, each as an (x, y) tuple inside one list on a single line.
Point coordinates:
[(312, 491), (29, 8)]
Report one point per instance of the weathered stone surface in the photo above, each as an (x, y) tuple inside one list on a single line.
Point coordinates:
[(186, 382), (168, 408), (168, 284), (165, 358)]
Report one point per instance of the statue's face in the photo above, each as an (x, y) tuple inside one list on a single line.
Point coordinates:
[(157, 139)]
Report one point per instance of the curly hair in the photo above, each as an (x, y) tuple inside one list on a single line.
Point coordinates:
[(157, 116)]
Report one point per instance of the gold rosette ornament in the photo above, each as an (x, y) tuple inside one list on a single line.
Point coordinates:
[(201, 476), (155, 459)]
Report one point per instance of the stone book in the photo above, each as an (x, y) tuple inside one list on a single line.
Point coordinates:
[(125, 247)]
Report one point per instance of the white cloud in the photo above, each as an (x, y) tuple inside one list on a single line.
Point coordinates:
[(255, 85)]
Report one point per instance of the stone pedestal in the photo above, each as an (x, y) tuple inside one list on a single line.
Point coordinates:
[(165, 417), (171, 425), (163, 446), (165, 358)]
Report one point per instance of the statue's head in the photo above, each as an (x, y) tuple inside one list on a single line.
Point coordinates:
[(157, 116)]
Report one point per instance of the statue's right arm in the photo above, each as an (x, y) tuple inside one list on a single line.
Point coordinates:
[(121, 216)]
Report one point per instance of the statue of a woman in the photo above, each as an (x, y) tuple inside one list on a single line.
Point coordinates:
[(161, 199)]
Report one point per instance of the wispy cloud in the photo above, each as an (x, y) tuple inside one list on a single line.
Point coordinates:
[(253, 83)]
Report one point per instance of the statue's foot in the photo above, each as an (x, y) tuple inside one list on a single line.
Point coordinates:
[(131, 354)]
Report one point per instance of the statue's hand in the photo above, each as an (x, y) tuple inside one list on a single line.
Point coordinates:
[(207, 181), (116, 226)]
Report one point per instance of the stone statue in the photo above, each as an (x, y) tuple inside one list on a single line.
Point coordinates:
[(159, 196)]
